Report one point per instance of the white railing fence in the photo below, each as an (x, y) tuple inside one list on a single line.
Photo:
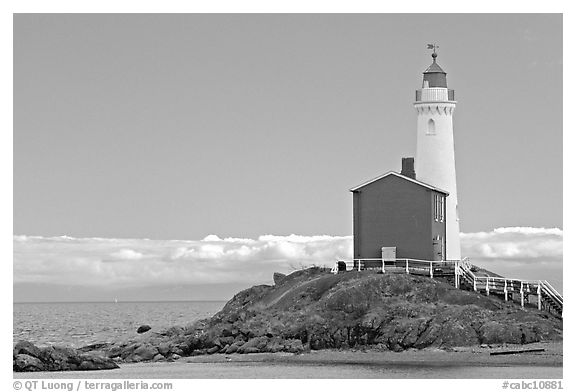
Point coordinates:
[(507, 286)]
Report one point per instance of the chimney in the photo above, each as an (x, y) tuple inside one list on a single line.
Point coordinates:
[(408, 168)]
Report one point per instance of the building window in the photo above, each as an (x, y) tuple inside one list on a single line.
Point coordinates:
[(439, 208), (441, 212), (431, 130)]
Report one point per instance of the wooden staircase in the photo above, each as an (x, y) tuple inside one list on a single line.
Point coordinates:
[(546, 297)]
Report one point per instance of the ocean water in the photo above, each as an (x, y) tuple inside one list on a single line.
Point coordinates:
[(78, 324)]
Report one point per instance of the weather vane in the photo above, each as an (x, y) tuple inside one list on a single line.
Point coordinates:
[(433, 47)]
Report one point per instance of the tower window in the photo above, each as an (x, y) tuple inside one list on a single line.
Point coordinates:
[(431, 128)]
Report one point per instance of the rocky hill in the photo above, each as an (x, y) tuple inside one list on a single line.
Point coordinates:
[(392, 311), (314, 309)]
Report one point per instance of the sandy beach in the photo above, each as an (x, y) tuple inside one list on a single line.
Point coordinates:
[(464, 362)]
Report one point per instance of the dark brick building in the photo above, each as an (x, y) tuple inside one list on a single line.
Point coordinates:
[(396, 210)]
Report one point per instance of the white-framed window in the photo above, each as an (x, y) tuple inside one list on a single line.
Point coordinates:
[(441, 212), (439, 201)]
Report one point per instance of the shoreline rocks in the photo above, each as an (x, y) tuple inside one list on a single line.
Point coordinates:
[(314, 310), (29, 358), (143, 328)]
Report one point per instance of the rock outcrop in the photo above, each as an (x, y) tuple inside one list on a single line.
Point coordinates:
[(313, 309), (143, 328), (29, 358), (278, 278)]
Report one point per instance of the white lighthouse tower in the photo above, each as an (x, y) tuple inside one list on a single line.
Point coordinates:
[(435, 162)]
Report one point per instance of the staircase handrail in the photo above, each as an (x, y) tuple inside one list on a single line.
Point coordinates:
[(551, 291), (550, 287), (468, 275), (525, 281), (466, 266), (465, 262)]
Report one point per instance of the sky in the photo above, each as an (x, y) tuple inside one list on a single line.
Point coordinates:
[(196, 154)]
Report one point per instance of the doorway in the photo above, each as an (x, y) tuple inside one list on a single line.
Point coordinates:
[(438, 248)]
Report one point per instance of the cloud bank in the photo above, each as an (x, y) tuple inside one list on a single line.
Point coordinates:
[(519, 244), (108, 263)]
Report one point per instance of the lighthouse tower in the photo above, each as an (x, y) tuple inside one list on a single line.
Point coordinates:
[(435, 162)]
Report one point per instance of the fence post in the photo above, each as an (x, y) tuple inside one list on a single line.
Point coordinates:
[(383, 269), (431, 270), (359, 261), (487, 287), (475, 284), (522, 294), (539, 296), (505, 290), (407, 270)]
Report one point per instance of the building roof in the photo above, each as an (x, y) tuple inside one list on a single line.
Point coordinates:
[(434, 68), (393, 173)]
